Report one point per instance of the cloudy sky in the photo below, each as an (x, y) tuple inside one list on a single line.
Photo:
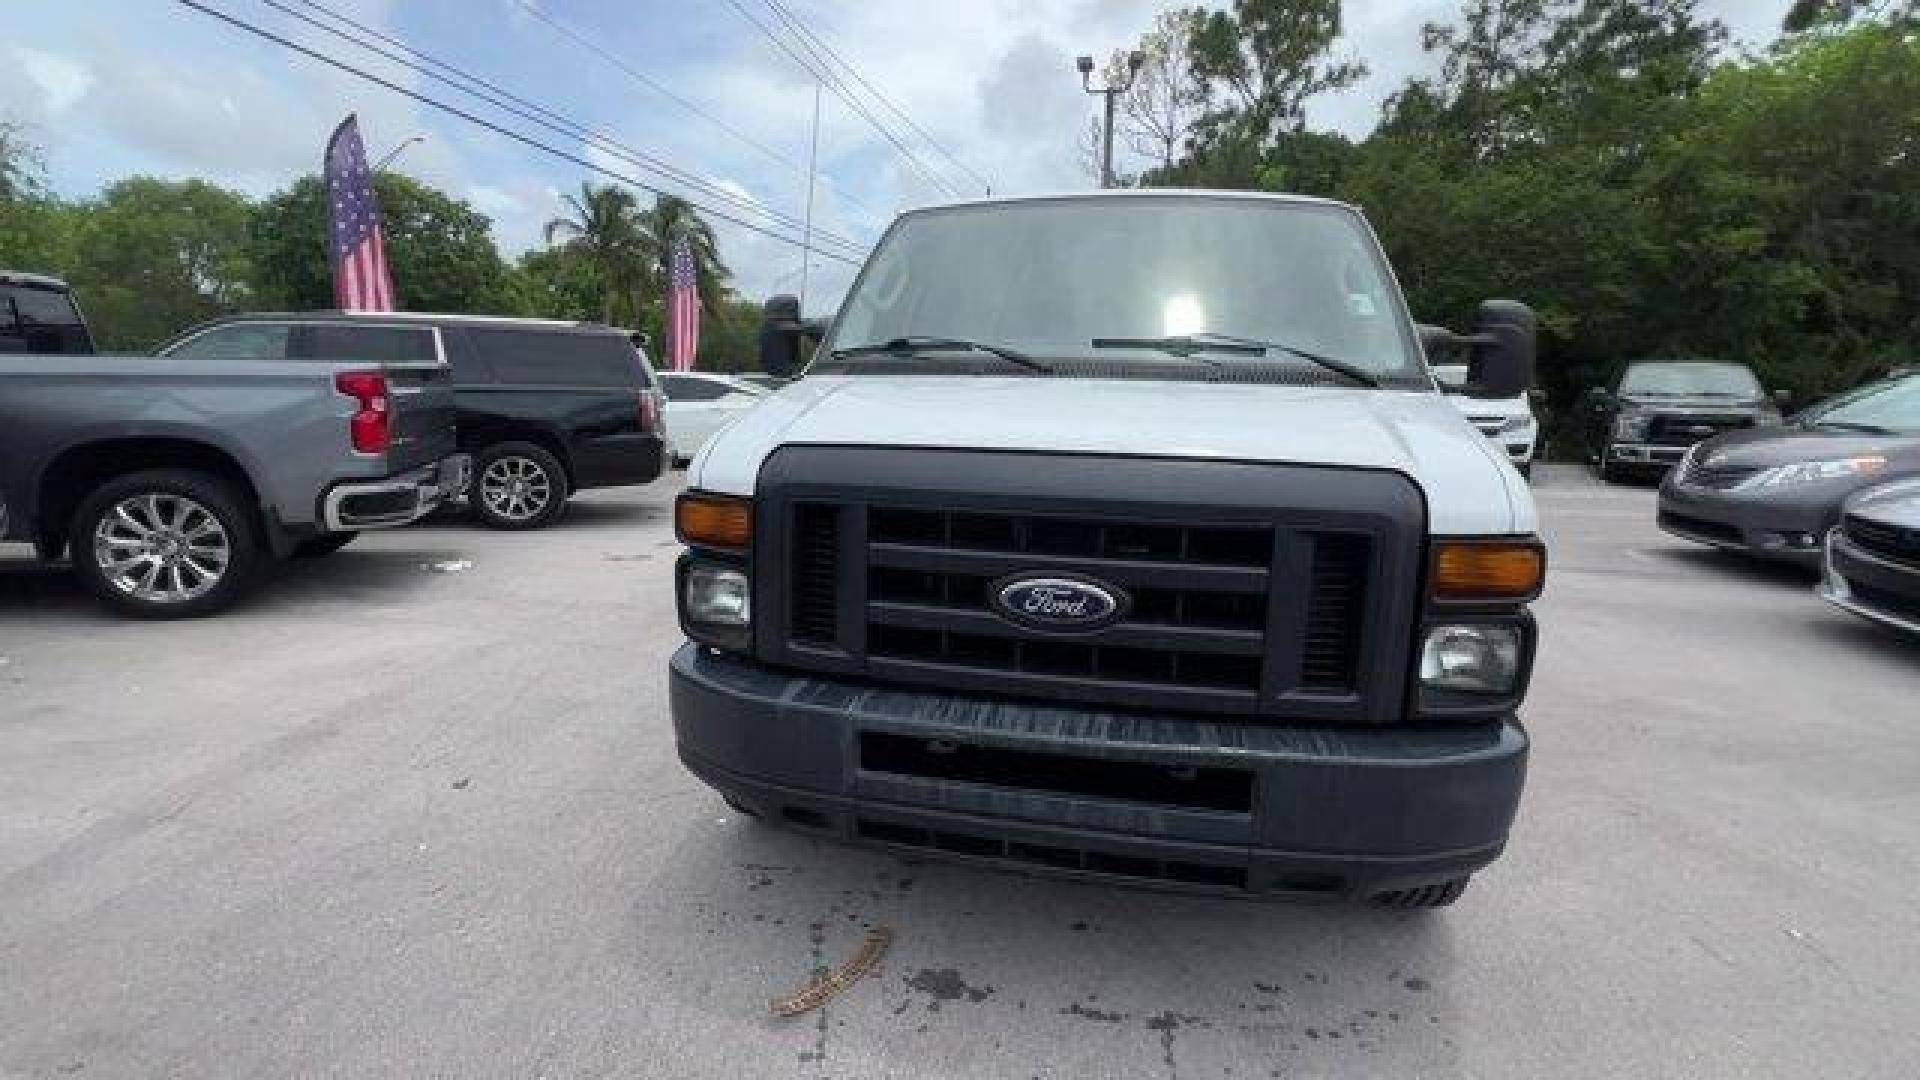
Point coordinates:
[(113, 87)]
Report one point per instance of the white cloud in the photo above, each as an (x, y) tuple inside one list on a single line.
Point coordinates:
[(61, 80)]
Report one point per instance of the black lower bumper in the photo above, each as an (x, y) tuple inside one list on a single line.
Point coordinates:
[(1169, 801), (1787, 527), (618, 460)]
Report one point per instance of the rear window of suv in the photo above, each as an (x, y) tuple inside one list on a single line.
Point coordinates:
[(560, 358)]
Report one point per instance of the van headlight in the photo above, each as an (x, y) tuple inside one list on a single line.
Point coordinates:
[(716, 603), (1473, 658)]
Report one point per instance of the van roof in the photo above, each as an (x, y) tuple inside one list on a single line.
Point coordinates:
[(1121, 194)]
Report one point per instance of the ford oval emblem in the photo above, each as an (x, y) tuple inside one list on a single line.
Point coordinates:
[(1056, 603)]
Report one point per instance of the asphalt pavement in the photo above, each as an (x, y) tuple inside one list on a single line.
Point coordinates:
[(414, 811)]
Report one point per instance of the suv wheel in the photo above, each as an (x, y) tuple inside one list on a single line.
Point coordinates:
[(165, 543), (517, 485)]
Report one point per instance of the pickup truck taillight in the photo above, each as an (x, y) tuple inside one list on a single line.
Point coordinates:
[(649, 410), (369, 429)]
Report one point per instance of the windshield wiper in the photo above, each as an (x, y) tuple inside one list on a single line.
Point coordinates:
[(1194, 344), (919, 343)]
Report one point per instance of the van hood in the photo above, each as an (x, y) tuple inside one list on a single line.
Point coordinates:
[(1470, 489)]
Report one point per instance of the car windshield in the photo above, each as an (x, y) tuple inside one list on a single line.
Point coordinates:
[(1892, 406), (1690, 380), (1049, 277)]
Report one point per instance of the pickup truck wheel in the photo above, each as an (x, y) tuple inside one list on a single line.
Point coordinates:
[(165, 543), (1438, 895), (321, 546), (518, 485)]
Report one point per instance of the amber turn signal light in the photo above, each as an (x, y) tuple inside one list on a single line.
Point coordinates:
[(713, 521), (1493, 570)]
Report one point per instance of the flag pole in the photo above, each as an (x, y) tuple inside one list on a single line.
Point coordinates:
[(813, 157)]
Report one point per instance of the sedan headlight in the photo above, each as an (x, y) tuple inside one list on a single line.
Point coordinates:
[(1474, 658), (1809, 472), (1631, 427)]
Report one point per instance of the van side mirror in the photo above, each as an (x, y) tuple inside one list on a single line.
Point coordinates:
[(1434, 342), (780, 332), (1504, 343)]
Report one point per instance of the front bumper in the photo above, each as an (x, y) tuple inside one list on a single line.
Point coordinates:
[(1645, 455), (1163, 801), (396, 500), (1784, 526), (1869, 586)]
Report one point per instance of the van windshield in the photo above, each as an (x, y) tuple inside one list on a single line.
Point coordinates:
[(1049, 277)]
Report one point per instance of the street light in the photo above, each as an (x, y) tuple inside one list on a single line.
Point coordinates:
[(1135, 60), (395, 152)]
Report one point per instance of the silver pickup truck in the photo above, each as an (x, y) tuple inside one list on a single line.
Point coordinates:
[(172, 483)]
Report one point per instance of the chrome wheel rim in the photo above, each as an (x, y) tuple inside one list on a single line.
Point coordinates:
[(515, 488), (161, 548)]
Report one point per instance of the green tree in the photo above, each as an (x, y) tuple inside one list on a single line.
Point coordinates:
[(670, 220), (1272, 56), (36, 230), (153, 257), (603, 231), (439, 249)]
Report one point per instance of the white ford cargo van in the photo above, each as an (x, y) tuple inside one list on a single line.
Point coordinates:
[(1123, 536)]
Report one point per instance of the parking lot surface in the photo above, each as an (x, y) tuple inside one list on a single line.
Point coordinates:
[(414, 811)]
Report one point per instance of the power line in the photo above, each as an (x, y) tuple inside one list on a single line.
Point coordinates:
[(497, 129), (874, 91), (658, 87), (559, 124), (839, 91)]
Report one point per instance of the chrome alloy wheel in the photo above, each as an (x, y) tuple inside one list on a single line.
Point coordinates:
[(515, 488), (161, 548)]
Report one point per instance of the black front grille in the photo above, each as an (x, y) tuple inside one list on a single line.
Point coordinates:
[(1887, 541), (1685, 429), (1282, 593), (1197, 619), (1700, 528)]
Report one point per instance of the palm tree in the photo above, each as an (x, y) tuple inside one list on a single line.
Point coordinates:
[(603, 228), (670, 220)]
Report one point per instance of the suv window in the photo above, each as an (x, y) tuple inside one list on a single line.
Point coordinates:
[(685, 388), (374, 344), (563, 358), (237, 341), (40, 320)]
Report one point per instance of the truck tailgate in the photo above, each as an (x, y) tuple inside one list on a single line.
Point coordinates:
[(423, 414)]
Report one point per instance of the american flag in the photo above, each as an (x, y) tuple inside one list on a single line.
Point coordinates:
[(361, 281), (683, 308)]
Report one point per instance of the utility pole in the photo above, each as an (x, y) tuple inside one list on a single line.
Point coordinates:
[(1135, 59), (806, 237)]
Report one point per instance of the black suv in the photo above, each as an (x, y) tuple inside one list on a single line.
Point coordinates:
[(546, 408), (1654, 412), (37, 315)]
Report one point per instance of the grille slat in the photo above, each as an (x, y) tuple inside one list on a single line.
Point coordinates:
[(1330, 655), (816, 572)]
